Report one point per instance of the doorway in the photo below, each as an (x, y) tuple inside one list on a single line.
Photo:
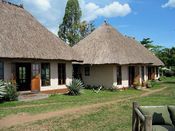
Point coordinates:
[(131, 73), (151, 73), (23, 76), (77, 72)]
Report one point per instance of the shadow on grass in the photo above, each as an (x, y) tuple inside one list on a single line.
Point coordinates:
[(169, 82)]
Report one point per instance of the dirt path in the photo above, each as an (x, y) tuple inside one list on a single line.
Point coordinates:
[(13, 120), (27, 106)]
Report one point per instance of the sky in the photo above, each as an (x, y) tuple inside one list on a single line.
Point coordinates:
[(153, 19)]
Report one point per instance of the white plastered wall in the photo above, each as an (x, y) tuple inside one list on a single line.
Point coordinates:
[(53, 73), (145, 73), (99, 75), (7, 70), (54, 76), (105, 75), (157, 76), (125, 78)]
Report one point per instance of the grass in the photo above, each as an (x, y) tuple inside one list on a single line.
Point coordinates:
[(106, 118), (58, 102)]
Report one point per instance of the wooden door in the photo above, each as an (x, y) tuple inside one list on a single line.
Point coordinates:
[(35, 77)]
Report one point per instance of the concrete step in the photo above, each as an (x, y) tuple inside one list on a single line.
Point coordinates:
[(30, 96)]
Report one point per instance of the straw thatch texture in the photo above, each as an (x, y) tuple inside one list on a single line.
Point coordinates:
[(22, 36), (107, 46)]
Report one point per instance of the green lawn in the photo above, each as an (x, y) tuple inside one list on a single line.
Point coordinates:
[(111, 117), (58, 102)]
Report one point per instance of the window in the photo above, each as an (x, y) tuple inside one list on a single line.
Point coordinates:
[(45, 74), (87, 71), (119, 75), (35, 69), (61, 74), (143, 73), (1, 70)]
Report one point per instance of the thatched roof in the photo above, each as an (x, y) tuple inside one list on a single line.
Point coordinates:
[(22, 36), (105, 45)]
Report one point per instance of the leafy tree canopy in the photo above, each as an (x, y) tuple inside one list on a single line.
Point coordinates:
[(167, 55), (72, 30)]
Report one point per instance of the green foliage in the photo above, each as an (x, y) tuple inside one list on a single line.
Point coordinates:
[(2, 89), (8, 91), (72, 30), (91, 87), (147, 43), (11, 92), (162, 78), (86, 28), (167, 55), (151, 83), (68, 30), (75, 87)]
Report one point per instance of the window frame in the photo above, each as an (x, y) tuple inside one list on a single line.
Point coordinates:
[(2, 70), (87, 70), (45, 78), (61, 73), (35, 71), (119, 75)]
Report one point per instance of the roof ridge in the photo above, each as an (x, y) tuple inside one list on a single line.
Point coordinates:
[(12, 4)]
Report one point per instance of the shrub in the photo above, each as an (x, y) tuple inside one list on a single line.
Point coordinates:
[(11, 92), (162, 78), (2, 89), (151, 83), (75, 86), (169, 73), (92, 87)]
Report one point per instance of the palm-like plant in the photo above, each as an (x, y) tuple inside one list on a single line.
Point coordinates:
[(2, 89), (75, 86)]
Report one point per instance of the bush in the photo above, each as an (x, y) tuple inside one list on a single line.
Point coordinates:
[(2, 89), (162, 78), (94, 87), (169, 73), (75, 87), (8, 91), (11, 92), (149, 84)]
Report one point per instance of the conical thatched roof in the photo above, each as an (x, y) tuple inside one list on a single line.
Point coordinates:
[(22, 36), (107, 46)]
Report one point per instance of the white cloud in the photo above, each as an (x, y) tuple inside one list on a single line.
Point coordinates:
[(50, 12), (170, 3), (92, 11), (41, 4)]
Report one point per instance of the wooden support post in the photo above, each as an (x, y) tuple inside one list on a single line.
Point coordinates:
[(134, 117), (148, 123)]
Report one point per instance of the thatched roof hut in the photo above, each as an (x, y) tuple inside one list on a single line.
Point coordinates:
[(22, 36), (105, 45)]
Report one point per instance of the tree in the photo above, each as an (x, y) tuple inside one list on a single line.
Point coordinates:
[(156, 49), (72, 30), (69, 29), (167, 55), (86, 28), (147, 43)]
